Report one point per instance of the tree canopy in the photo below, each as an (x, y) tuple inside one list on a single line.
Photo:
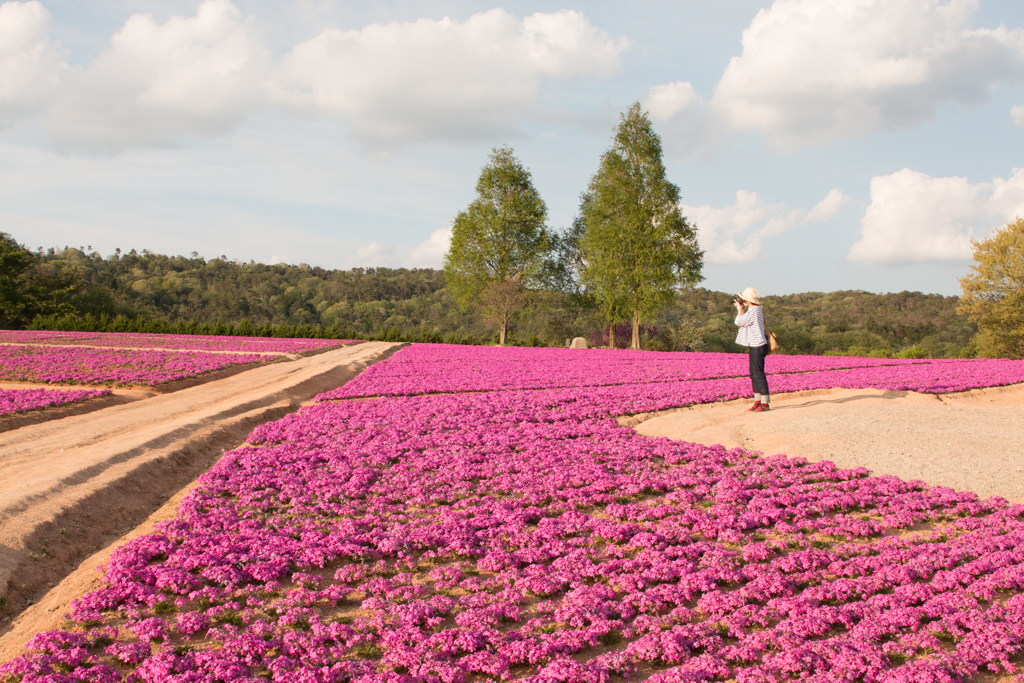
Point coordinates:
[(31, 286), (638, 249), (142, 291), (994, 291), (499, 242), (15, 260)]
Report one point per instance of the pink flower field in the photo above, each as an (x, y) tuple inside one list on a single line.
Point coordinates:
[(428, 369), (22, 400), (193, 342), (71, 365), (498, 534)]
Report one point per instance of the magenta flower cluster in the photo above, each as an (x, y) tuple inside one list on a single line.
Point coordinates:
[(71, 365), (623, 382), (424, 369), (525, 535), (21, 400), (192, 342)]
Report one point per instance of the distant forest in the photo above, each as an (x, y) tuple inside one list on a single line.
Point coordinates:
[(147, 291)]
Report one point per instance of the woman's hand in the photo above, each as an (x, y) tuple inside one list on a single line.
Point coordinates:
[(739, 306)]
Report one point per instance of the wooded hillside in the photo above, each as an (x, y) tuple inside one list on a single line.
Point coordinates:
[(413, 303)]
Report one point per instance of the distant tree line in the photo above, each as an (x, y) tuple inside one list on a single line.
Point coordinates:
[(76, 288)]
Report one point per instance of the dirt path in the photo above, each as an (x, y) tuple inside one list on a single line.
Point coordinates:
[(972, 441), (70, 487)]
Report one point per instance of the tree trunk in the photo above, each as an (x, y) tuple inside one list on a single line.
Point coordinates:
[(636, 330), (501, 341), (611, 335)]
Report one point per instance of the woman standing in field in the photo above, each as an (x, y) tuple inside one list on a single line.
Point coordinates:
[(750, 320)]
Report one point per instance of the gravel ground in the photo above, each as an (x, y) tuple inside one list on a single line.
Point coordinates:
[(970, 441)]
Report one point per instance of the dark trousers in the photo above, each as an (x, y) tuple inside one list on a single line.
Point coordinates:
[(758, 380)]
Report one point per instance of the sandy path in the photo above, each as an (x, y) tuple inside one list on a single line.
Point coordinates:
[(972, 441), (71, 486)]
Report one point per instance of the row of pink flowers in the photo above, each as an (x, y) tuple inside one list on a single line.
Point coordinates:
[(524, 534), (424, 369), (617, 398), (22, 400), (71, 365), (194, 342)]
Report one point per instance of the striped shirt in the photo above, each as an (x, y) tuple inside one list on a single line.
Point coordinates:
[(751, 326)]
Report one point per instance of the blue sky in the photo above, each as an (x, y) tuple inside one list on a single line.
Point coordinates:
[(818, 144)]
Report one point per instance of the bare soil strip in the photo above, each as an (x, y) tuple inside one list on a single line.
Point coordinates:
[(971, 441), (70, 487), (47, 613)]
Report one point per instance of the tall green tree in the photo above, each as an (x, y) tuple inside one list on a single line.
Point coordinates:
[(499, 242), (638, 248), (994, 292)]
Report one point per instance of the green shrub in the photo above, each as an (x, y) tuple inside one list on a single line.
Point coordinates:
[(915, 352)]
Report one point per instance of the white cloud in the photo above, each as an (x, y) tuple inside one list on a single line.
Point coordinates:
[(375, 254), (201, 76), (1007, 200), (813, 71), (430, 254), (195, 76), (736, 234), (1017, 114), (31, 65), (829, 207), (663, 102), (443, 78), (915, 218)]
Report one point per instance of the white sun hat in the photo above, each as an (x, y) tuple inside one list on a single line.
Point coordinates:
[(750, 294)]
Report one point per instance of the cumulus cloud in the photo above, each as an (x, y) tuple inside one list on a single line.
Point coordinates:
[(915, 218), (191, 76), (736, 233), (1017, 114), (428, 78), (815, 71), (375, 254), (430, 254), (201, 76), (663, 102), (1007, 199), (829, 207), (31, 65)]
